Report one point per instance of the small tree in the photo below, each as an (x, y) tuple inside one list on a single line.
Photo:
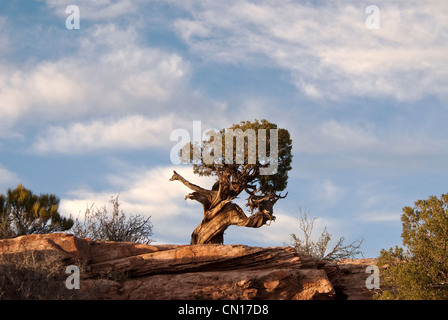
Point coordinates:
[(319, 248), (22, 213), (99, 225), (237, 169), (420, 271)]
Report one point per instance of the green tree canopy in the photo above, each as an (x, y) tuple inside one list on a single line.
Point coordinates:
[(421, 270), (22, 212), (267, 183)]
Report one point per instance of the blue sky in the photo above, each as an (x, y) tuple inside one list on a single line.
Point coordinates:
[(87, 113)]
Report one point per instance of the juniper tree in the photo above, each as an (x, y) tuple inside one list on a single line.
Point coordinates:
[(420, 270), (22, 213), (237, 170)]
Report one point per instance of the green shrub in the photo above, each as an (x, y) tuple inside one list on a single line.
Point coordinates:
[(22, 213), (421, 271)]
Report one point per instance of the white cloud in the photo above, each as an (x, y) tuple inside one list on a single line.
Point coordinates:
[(99, 9), (128, 133), (328, 192), (114, 93), (147, 192), (112, 76), (8, 179), (332, 136), (370, 143), (380, 216), (380, 203), (327, 48), (4, 37)]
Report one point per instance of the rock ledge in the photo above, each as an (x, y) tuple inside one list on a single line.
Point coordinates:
[(122, 270)]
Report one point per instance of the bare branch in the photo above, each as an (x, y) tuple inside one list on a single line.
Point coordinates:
[(187, 183)]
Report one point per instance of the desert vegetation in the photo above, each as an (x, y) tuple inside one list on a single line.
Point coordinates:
[(320, 248), (23, 212), (98, 224), (33, 276), (419, 271)]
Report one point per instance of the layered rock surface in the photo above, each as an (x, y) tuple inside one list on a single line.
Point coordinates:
[(121, 270)]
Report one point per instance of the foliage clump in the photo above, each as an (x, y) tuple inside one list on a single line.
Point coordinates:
[(420, 271), (98, 224), (22, 213)]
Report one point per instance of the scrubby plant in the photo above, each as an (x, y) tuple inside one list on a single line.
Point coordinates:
[(98, 224), (304, 244), (33, 275)]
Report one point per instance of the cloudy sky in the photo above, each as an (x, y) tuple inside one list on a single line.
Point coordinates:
[(87, 113)]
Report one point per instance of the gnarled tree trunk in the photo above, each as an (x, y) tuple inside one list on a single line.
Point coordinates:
[(220, 212)]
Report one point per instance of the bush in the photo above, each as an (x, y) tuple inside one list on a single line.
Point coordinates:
[(22, 213), (421, 270), (99, 225), (319, 249)]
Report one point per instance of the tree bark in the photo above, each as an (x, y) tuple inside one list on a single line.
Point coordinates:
[(212, 230), (219, 211)]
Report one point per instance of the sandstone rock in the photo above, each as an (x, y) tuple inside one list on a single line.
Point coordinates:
[(239, 285), (314, 286), (121, 270), (105, 251), (348, 277), (68, 247), (209, 272), (203, 258)]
